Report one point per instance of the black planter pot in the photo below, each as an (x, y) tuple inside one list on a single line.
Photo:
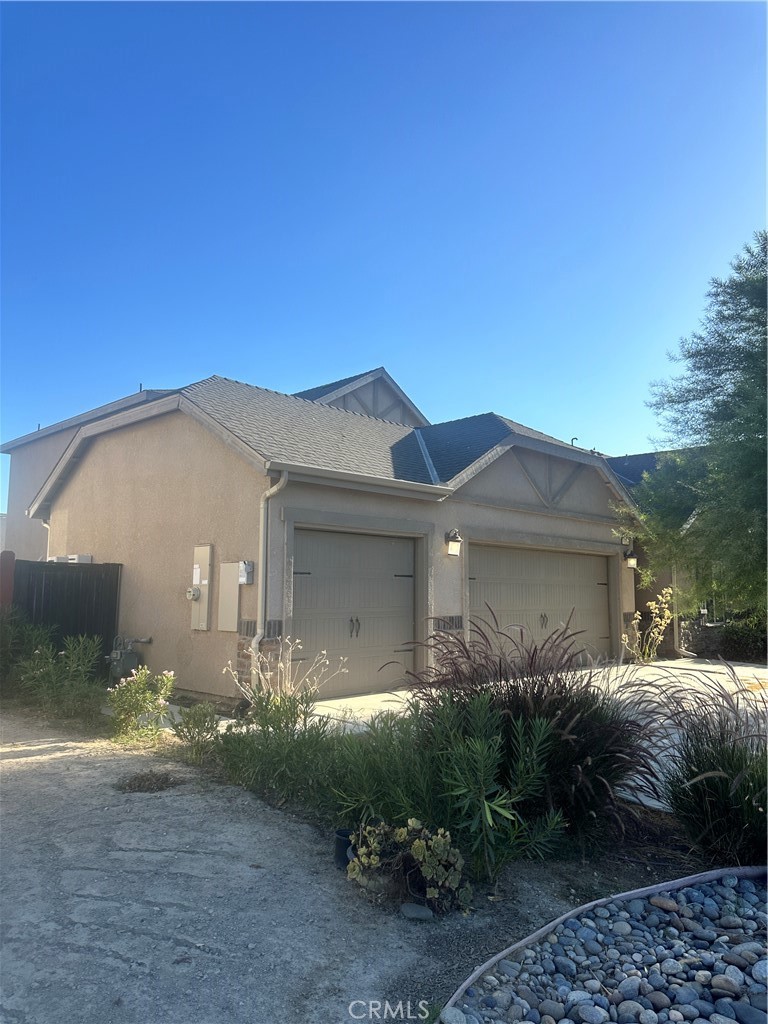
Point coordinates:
[(343, 848)]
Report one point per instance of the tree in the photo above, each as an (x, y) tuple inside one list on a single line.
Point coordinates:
[(704, 508)]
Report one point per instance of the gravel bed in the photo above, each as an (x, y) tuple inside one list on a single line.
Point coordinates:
[(695, 954)]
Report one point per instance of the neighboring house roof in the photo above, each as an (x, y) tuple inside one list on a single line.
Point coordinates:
[(312, 439), (630, 468), (102, 412)]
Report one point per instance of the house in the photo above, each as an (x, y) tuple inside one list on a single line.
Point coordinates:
[(338, 515)]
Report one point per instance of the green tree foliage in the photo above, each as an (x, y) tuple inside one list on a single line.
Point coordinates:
[(705, 506)]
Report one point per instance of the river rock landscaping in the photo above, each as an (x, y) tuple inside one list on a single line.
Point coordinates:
[(696, 954)]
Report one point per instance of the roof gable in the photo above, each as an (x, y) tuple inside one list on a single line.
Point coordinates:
[(373, 393), (313, 439)]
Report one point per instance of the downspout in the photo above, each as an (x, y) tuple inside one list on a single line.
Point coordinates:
[(261, 606), (47, 524)]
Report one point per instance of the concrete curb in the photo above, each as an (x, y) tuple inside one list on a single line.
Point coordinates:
[(651, 890)]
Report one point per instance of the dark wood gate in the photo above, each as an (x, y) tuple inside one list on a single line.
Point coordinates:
[(72, 598)]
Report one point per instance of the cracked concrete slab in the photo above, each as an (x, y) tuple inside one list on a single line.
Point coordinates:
[(195, 905)]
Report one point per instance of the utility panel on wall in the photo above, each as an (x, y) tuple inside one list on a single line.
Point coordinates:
[(232, 575), (229, 596), (198, 594)]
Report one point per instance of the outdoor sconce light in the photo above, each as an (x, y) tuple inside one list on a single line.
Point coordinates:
[(631, 559), (453, 540)]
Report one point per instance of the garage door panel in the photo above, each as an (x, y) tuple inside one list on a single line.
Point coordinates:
[(353, 598), (542, 590)]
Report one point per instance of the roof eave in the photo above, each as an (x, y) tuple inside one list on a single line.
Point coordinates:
[(101, 412), (359, 481)]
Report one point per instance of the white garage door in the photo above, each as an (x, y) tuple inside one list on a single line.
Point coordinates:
[(353, 597), (540, 589)]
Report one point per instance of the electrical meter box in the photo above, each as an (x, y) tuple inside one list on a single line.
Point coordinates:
[(198, 594)]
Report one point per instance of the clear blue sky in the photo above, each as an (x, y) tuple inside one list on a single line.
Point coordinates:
[(513, 207)]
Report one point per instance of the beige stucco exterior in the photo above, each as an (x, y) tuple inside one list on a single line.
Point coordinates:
[(498, 507), (30, 465), (144, 496)]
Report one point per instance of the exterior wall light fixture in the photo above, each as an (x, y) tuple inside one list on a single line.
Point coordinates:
[(631, 559), (453, 541)]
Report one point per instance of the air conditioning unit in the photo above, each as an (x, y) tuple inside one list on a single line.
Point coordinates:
[(79, 558), (58, 558)]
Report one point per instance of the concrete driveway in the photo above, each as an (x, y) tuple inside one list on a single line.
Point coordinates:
[(195, 905), (688, 670)]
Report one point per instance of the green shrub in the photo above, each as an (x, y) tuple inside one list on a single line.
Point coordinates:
[(388, 771), (139, 702), (744, 640), (19, 640), (198, 728), (64, 683), (599, 740), (411, 863), (448, 770), (280, 749), (486, 792), (715, 767)]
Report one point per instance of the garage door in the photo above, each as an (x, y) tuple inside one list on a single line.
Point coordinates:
[(540, 589), (353, 597)]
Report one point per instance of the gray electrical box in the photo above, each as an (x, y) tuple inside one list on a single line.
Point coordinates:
[(229, 596), (198, 594)]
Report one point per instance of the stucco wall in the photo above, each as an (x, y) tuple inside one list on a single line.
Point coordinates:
[(144, 496), (481, 512), (30, 466)]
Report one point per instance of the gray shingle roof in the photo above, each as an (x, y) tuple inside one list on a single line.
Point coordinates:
[(458, 443), (312, 394), (299, 431), (284, 428)]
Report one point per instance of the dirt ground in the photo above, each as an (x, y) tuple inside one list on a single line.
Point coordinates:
[(200, 904)]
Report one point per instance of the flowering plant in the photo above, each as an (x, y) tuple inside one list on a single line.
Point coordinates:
[(138, 702), (644, 644)]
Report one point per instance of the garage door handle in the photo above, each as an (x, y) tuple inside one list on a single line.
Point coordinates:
[(357, 627), (351, 626)]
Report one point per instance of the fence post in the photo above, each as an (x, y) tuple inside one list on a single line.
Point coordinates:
[(7, 569)]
